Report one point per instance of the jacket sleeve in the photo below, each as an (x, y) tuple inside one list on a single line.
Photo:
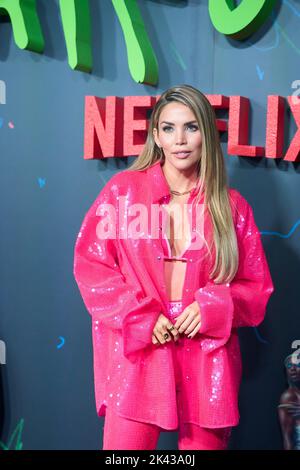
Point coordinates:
[(243, 301), (110, 299)]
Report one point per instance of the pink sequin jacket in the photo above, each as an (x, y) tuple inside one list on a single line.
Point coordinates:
[(121, 280)]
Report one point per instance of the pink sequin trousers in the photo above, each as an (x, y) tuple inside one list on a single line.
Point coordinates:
[(121, 433), (175, 308)]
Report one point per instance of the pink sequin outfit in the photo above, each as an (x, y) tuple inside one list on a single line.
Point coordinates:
[(174, 308), (122, 283)]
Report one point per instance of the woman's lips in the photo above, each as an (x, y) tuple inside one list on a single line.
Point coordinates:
[(182, 154)]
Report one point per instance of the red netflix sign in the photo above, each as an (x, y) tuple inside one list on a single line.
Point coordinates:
[(117, 127)]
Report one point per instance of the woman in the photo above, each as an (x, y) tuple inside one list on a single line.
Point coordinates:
[(289, 406), (166, 299)]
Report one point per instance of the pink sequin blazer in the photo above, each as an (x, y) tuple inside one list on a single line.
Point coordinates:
[(121, 281)]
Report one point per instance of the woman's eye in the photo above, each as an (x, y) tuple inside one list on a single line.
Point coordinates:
[(191, 126)]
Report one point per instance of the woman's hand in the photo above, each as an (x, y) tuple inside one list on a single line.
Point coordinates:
[(189, 321), (163, 327)]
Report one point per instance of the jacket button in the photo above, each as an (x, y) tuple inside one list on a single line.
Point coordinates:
[(159, 257)]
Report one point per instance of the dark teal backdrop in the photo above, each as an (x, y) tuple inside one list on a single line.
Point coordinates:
[(47, 187)]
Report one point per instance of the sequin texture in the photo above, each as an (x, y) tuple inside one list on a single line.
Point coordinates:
[(123, 286)]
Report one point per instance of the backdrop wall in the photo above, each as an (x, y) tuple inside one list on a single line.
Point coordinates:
[(46, 383)]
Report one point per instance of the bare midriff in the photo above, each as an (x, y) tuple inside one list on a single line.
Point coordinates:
[(178, 239)]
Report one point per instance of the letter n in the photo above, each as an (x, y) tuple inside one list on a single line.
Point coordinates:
[(103, 127)]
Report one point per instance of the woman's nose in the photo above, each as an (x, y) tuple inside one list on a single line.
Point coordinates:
[(180, 136)]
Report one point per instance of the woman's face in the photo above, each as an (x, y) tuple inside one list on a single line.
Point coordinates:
[(293, 372), (179, 136)]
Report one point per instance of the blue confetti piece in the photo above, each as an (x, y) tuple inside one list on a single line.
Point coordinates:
[(42, 182), (260, 72), (1, 122), (62, 342)]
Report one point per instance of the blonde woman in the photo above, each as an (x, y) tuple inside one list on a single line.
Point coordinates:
[(169, 263)]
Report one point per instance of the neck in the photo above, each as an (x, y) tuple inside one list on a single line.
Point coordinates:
[(296, 387), (180, 180)]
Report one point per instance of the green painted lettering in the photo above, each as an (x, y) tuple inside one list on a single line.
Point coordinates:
[(25, 23), (141, 57), (75, 15), (240, 21)]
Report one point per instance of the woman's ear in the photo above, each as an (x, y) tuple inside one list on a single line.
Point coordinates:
[(155, 137)]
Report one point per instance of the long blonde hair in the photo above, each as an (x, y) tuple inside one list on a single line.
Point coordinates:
[(211, 172)]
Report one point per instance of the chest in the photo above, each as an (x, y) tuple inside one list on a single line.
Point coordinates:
[(177, 230)]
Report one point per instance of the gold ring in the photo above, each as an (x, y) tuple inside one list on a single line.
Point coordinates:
[(166, 335), (171, 328)]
